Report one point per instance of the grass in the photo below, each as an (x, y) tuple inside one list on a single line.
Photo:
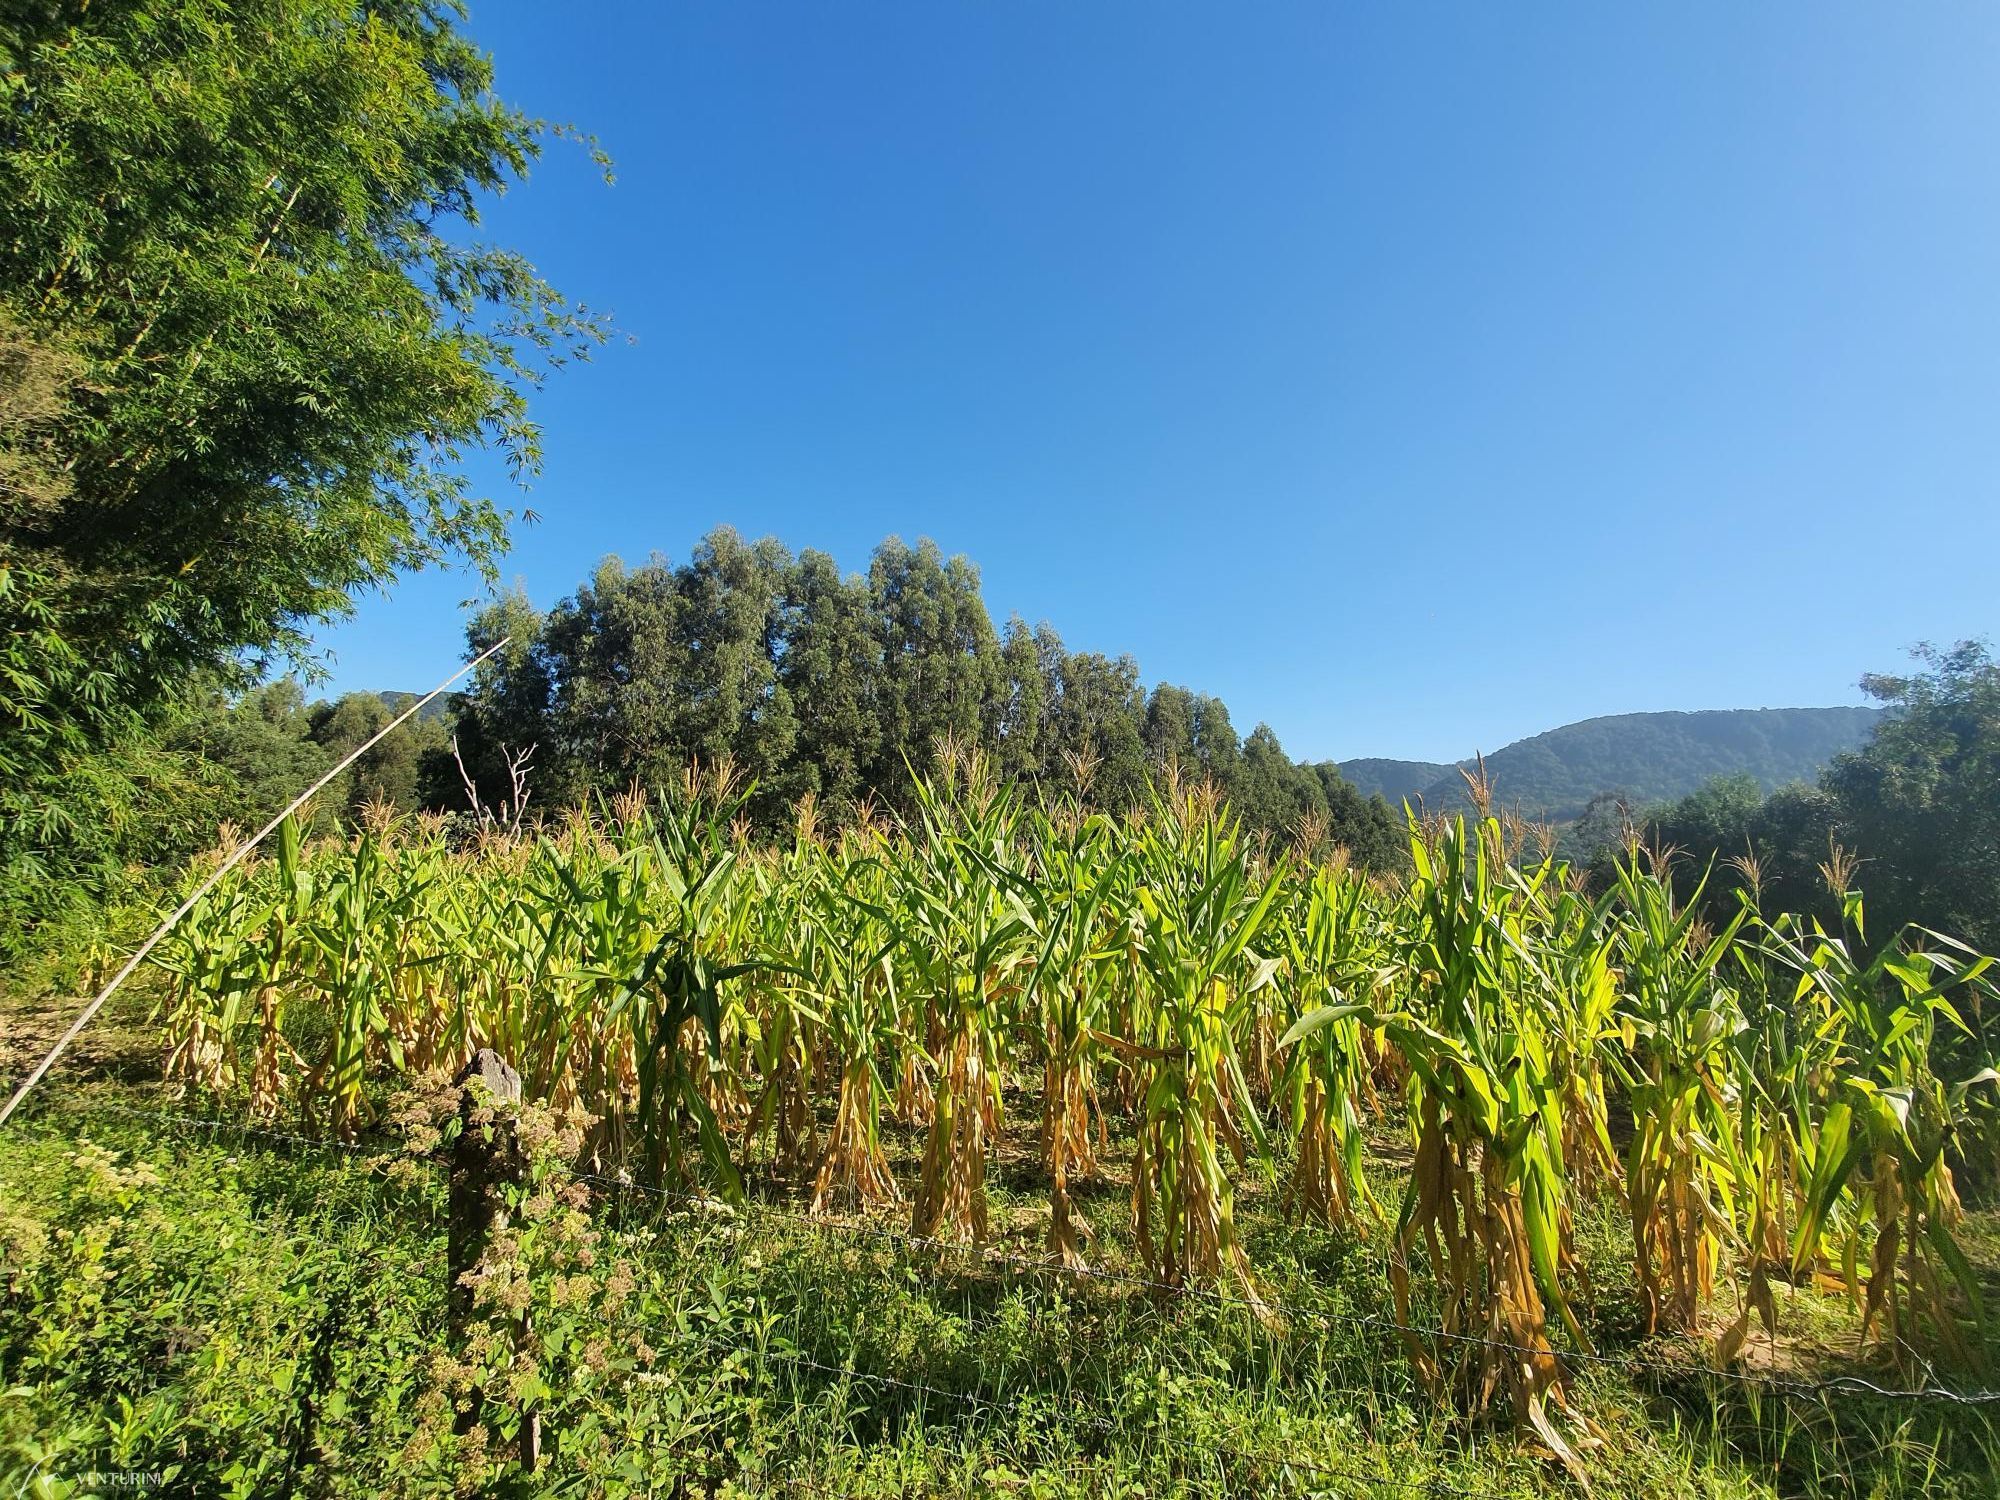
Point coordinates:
[(231, 1314)]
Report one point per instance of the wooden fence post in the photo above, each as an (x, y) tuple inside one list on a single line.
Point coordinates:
[(484, 1160)]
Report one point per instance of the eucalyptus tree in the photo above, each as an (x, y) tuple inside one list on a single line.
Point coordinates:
[(939, 659), (828, 670), (1019, 729), (616, 658), (729, 700), (1097, 721)]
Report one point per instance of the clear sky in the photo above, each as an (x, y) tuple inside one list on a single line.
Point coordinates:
[(1413, 377)]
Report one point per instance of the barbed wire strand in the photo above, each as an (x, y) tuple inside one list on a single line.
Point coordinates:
[(359, 1150), (1017, 1407), (800, 1360), (1632, 1364)]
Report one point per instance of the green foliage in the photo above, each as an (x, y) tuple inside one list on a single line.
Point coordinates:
[(259, 752), (1360, 822), (1787, 835), (506, 704), (390, 772), (275, 1320), (210, 762), (1919, 801), (264, 744), (223, 1325)]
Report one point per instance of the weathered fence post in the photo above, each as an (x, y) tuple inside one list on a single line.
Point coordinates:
[(484, 1159)]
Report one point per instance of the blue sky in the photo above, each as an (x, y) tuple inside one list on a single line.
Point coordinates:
[(1414, 377)]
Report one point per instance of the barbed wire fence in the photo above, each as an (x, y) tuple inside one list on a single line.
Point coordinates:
[(1373, 1481), (994, 1258)]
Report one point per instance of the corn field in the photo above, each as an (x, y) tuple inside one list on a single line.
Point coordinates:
[(1764, 1101)]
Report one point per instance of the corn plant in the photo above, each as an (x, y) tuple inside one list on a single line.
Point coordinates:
[(1883, 1136), (1577, 946), (1200, 911), (1796, 1095), (850, 943), (1335, 956), (235, 952), (1780, 1056), (1486, 1193), (968, 941), (1679, 1016), (1080, 945), (672, 999)]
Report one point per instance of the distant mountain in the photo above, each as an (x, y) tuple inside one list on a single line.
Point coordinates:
[(437, 708), (1647, 757), (1394, 779)]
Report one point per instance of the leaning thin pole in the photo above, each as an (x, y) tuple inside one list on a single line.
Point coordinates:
[(235, 858)]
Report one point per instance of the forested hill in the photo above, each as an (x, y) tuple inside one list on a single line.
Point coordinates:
[(1649, 758), (438, 709), (1394, 779)]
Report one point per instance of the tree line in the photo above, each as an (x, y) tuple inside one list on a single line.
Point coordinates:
[(810, 682)]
